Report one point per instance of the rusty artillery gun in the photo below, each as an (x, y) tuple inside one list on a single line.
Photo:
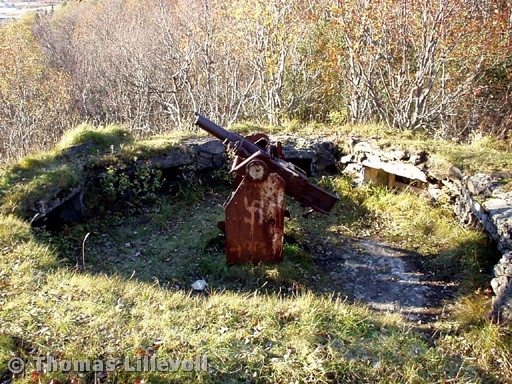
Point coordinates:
[(255, 211)]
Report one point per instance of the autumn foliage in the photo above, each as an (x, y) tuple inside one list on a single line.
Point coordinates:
[(35, 106), (443, 66)]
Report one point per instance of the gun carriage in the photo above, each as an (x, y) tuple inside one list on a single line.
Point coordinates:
[(255, 211)]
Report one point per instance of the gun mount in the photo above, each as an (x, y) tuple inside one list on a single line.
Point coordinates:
[(255, 211)]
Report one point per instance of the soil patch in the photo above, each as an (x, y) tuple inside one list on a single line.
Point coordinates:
[(385, 278)]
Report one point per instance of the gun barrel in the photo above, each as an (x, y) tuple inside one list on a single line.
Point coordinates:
[(245, 146), (297, 185), (212, 128)]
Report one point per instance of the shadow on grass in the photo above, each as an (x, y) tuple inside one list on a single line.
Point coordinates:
[(176, 242)]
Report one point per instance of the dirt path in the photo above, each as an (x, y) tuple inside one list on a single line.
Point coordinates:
[(385, 278)]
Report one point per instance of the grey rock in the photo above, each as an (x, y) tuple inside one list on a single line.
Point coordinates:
[(356, 171), (347, 159), (363, 146), (454, 173), (504, 267), (397, 168), (207, 154), (67, 207), (176, 158), (290, 152), (325, 156), (421, 158), (479, 184), (502, 287), (434, 191), (214, 147), (312, 155)]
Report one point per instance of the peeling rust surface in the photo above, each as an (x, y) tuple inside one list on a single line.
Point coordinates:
[(255, 213), (255, 222)]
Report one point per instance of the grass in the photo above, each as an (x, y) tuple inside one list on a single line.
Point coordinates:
[(299, 128), (173, 242), (39, 178), (103, 138), (254, 323), (49, 307), (127, 292)]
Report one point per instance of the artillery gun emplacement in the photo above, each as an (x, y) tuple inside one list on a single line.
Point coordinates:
[(255, 211)]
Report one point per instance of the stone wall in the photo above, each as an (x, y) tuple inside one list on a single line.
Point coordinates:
[(502, 288), (477, 200), (483, 199), (193, 157)]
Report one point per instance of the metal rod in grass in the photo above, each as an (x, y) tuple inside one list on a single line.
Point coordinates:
[(83, 250)]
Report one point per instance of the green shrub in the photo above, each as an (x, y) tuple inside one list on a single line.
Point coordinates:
[(134, 185)]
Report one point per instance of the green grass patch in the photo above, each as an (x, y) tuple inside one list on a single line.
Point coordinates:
[(119, 286), (34, 181), (101, 137), (49, 309)]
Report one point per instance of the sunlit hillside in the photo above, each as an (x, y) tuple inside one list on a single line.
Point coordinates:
[(442, 68), (96, 95)]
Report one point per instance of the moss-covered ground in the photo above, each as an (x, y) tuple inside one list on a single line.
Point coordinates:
[(119, 285)]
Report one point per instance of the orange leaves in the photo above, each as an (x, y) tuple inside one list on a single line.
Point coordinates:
[(34, 96), (406, 62)]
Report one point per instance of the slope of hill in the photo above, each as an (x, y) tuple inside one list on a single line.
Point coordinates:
[(118, 286)]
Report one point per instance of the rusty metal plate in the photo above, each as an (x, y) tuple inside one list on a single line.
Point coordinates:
[(255, 221)]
